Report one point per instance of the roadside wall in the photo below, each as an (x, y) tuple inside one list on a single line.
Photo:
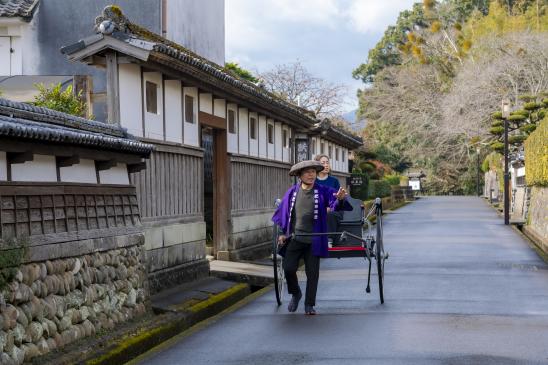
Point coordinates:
[(537, 222), (76, 266)]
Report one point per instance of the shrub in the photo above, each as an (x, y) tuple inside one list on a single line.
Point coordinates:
[(392, 179), (61, 100), (378, 188)]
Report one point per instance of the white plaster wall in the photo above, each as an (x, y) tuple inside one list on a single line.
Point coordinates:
[(320, 150), (243, 131), (3, 166), (116, 175), (219, 108), (41, 168), (278, 141), (286, 150), (232, 137), (84, 172), (335, 156), (262, 137), (154, 122), (190, 133), (271, 146), (254, 143), (17, 56), (314, 151), (174, 111), (131, 105), (206, 103)]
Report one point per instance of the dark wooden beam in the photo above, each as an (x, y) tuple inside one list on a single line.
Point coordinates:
[(136, 167), (105, 165), (19, 157), (68, 160), (13, 145), (212, 120)]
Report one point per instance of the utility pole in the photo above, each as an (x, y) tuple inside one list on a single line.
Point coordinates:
[(505, 115)]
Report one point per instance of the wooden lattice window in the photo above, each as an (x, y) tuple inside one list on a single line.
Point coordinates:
[(189, 109), (270, 134), (252, 128), (231, 122), (151, 90)]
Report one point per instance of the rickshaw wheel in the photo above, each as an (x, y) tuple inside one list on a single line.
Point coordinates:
[(380, 257), (277, 262)]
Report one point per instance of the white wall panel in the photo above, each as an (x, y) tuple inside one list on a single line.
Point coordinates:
[(191, 134), (116, 175), (154, 122), (243, 131), (262, 137), (3, 166), (219, 108), (131, 105), (41, 168), (278, 141), (206, 103), (84, 172), (174, 111), (286, 150), (232, 143), (17, 56)]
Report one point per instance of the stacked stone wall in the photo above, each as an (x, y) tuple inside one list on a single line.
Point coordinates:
[(53, 303), (72, 263), (537, 220)]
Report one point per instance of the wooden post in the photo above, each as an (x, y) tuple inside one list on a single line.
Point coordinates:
[(113, 88), (84, 84), (221, 195)]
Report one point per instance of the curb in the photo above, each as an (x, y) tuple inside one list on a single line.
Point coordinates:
[(128, 348), (115, 349), (198, 326)]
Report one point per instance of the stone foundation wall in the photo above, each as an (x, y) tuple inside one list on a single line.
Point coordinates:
[(537, 221), (50, 304), (72, 262)]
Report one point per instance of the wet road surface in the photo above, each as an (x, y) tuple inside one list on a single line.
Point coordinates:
[(460, 288)]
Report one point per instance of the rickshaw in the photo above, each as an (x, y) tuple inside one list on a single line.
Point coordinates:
[(357, 241)]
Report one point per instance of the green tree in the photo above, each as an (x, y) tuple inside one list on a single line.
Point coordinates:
[(521, 123), (386, 52), (54, 97), (235, 69)]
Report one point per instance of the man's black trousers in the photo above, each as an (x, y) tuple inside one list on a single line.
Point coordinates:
[(295, 251)]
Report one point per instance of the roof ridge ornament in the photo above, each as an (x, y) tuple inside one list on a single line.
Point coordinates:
[(111, 20)]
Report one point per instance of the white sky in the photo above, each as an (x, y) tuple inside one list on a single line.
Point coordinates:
[(330, 37)]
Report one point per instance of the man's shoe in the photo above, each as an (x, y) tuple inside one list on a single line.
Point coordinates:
[(309, 310), (294, 302)]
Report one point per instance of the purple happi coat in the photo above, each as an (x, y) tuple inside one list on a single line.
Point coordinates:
[(324, 197)]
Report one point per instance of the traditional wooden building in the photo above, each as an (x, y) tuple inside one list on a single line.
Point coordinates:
[(223, 146), (71, 239)]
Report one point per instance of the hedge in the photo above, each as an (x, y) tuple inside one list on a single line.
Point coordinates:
[(536, 155), (378, 188)]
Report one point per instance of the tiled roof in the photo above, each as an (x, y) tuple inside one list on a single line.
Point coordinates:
[(18, 8), (165, 51), (19, 120)]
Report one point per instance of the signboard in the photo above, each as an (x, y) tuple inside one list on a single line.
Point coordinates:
[(356, 181), (302, 150), (415, 185)]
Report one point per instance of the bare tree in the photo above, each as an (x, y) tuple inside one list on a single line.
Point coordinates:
[(507, 67), (294, 83)]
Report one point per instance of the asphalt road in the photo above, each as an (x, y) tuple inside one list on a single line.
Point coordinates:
[(460, 288)]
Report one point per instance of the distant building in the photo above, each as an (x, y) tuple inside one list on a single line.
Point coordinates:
[(223, 147), (33, 31)]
